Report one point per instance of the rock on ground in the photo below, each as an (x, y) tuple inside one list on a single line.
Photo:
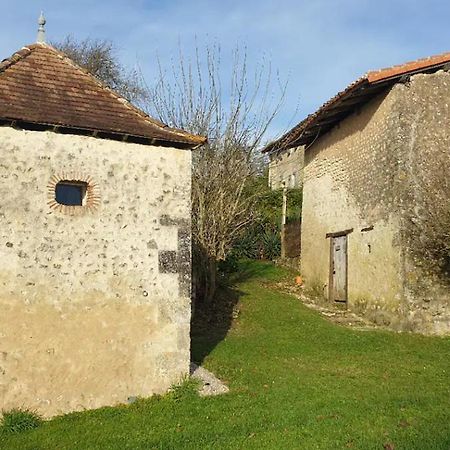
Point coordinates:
[(210, 384)]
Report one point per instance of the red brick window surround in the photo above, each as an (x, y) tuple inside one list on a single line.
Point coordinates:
[(73, 193)]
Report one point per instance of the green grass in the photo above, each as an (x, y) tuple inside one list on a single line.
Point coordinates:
[(17, 420), (297, 382)]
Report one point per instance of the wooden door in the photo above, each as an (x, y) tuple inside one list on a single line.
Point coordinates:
[(338, 269)]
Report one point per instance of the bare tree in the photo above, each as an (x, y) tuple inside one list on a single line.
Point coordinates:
[(190, 94), (99, 57)]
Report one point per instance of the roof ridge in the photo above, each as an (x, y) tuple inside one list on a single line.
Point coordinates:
[(418, 60), (408, 66), (16, 57)]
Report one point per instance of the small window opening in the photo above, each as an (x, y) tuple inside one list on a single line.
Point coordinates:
[(71, 193), (292, 181)]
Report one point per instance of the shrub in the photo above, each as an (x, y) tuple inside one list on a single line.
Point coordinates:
[(17, 420), (262, 238)]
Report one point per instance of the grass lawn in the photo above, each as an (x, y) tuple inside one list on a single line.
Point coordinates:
[(296, 380)]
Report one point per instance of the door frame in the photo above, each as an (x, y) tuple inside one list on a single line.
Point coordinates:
[(331, 265)]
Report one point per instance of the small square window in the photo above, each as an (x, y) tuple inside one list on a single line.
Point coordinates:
[(71, 193)]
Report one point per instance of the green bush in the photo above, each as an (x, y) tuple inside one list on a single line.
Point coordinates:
[(17, 420), (231, 263), (270, 244), (262, 238), (260, 241)]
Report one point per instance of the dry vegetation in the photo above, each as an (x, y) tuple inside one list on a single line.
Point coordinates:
[(190, 94)]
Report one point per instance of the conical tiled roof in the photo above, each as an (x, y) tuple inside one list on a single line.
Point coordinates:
[(40, 85)]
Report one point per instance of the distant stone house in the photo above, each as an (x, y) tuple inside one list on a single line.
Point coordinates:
[(286, 168), (95, 243), (286, 172), (365, 194)]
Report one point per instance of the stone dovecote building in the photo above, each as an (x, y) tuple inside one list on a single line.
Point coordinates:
[(95, 244), (376, 174)]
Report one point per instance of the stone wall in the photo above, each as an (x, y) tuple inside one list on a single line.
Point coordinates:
[(95, 300), (355, 177), (287, 167)]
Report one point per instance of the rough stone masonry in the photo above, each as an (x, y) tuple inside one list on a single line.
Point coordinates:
[(363, 176), (94, 300)]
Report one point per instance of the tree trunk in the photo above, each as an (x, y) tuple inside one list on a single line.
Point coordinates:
[(210, 281)]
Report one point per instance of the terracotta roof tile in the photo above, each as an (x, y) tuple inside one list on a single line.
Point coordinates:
[(358, 92), (412, 66), (40, 85)]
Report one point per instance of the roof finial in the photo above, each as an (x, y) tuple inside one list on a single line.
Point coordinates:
[(41, 29)]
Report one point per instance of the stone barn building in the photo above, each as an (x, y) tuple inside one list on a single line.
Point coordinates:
[(95, 245), (376, 196)]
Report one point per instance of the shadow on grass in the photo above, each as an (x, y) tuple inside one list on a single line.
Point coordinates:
[(211, 323)]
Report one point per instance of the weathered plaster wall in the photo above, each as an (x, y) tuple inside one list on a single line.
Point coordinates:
[(95, 306), (286, 166), (349, 183), (360, 175)]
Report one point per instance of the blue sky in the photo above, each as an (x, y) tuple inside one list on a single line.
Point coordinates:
[(319, 46)]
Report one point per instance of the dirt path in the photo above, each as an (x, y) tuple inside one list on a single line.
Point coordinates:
[(335, 313)]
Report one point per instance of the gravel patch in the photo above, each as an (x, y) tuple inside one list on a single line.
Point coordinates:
[(210, 384)]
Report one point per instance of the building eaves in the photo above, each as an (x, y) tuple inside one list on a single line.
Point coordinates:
[(357, 93)]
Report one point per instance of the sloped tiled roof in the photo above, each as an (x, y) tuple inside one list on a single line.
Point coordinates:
[(345, 102), (40, 85)]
